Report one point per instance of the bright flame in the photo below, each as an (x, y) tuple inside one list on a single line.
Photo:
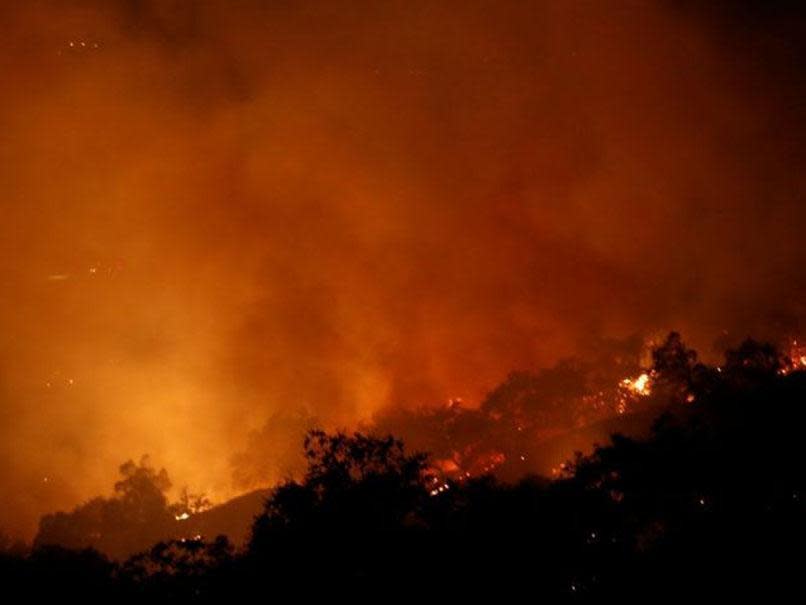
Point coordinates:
[(795, 360), (640, 386)]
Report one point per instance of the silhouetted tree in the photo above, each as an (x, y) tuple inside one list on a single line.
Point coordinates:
[(181, 570), (359, 495), (710, 504), (673, 367), (190, 503), (138, 515), (753, 361)]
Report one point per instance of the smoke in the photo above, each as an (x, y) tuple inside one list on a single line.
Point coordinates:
[(218, 212)]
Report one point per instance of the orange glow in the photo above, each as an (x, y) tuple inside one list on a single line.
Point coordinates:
[(795, 357), (222, 225)]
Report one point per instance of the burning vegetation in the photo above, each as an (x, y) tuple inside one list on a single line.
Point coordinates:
[(292, 249), (717, 477), (533, 424), (534, 421)]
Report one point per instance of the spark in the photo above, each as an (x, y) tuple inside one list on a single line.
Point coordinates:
[(82, 44), (183, 517), (442, 488)]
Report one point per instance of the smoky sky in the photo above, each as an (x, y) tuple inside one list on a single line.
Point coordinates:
[(217, 212)]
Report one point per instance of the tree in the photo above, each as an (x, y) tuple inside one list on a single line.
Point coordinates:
[(753, 361), (358, 492), (189, 503), (673, 367), (134, 519)]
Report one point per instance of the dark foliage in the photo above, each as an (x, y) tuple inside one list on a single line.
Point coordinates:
[(711, 506), (135, 518)]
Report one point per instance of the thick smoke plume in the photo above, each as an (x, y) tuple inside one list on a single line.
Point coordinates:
[(218, 214)]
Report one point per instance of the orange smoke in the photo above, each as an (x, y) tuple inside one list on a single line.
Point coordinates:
[(217, 216)]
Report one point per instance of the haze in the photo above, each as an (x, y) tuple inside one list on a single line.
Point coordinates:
[(214, 212)]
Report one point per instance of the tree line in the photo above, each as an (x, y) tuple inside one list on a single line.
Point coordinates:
[(710, 505)]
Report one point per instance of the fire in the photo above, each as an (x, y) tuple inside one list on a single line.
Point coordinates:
[(640, 386), (795, 359), (632, 388)]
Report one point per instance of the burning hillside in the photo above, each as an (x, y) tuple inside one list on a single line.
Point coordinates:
[(535, 421)]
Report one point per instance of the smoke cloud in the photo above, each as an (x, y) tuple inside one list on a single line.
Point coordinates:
[(222, 214)]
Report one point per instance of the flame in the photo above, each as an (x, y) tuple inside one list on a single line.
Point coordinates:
[(795, 358), (476, 461), (642, 385)]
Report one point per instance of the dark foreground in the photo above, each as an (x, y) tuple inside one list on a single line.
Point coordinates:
[(711, 506)]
